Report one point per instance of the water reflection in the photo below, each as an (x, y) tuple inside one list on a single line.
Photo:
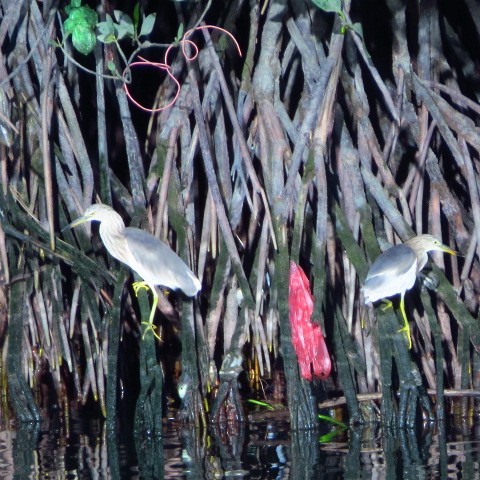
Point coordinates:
[(265, 450)]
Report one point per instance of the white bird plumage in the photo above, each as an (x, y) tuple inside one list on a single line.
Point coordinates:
[(395, 271), (153, 260)]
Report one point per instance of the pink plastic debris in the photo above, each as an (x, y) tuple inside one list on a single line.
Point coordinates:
[(307, 336)]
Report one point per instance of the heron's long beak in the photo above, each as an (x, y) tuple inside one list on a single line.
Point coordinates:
[(446, 249), (76, 222)]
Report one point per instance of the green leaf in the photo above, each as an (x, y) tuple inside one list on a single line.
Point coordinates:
[(111, 66), (76, 16), (261, 404), (121, 31), (357, 27), (179, 33), (81, 17), (136, 15), (328, 436), (90, 15), (69, 26), (110, 23), (147, 24), (107, 38), (83, 39), (329, 5), (107, 31), (73, 5), (125, 24), (80, 24), (104, 28), (332, 420)]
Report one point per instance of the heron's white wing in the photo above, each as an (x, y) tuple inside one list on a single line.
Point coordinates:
[(397, 260), (158, 264), (392, 272)]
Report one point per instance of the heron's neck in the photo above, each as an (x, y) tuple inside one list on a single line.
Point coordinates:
[(112, 224), (112, 233), (422, 259)]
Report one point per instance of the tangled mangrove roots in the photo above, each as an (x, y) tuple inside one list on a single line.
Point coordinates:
[(332, 136)]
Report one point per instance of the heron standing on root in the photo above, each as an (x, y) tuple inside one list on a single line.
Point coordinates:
[(154, 261), (396, 269)]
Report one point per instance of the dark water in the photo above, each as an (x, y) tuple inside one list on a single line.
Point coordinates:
[(261, 451)]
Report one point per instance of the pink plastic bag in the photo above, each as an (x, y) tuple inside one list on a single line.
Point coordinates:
[(307, 336)]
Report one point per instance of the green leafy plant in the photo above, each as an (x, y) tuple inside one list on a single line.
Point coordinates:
[(180, 33), (267, 405), (335, 6), (340, 427), (329, 5), (327, 418), (123, 26), (81, 24), (83, 20)]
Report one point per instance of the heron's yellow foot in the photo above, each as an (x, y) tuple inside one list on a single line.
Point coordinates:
[(137, 286), (150, 327), (406, 329), (386, 304)]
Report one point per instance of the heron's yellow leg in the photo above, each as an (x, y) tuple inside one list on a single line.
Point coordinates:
[(386, 304), (149, 325), (137, 286), (406, 327)]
